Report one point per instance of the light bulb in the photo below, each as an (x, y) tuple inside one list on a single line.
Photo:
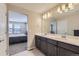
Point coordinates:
[(49, 14), (59, 10), (70, 5), (43, 16), (63, 7)]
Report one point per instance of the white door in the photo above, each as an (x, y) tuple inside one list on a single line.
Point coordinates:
[(3, 30)]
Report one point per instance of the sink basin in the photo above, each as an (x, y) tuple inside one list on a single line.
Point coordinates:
[(54, 36)]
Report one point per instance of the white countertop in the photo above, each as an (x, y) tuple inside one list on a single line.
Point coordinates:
[(69, 39)]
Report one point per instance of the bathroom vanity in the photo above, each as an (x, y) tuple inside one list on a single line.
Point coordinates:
[(57, 45)]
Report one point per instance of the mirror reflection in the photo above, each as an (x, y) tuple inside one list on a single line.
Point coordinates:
[(65, 25)]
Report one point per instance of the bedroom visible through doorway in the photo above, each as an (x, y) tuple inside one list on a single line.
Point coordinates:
[(18, 31)]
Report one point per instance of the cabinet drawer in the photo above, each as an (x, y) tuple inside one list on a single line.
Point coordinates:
[(69, 47), (37, 37), (52, 41), (43, 39), (65, 52)]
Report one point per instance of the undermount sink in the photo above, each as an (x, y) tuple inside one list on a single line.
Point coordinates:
[(55, 36)]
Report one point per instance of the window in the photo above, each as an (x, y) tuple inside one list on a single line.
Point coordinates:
[(10, 27), (17, 27), (17, 23)]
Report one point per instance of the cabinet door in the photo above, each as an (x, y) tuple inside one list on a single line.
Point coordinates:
[(43, 46), (52, 50), (37, 42), (69, 46), (65, 52)]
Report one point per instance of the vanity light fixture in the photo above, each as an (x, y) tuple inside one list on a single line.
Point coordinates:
[(65, 7), (48, 14), (70, 5), (59, 10), (45, 16)]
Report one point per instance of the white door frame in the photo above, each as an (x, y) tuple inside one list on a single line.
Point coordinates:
[(8, 32)]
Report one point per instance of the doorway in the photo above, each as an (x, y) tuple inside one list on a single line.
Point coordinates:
[(17, 32)]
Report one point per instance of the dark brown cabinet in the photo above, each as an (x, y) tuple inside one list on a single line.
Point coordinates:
[(51, 50), (46, 46), (52, 47), (38, 42), (65, 49), (43, 46), (70, 47), (65, 52)]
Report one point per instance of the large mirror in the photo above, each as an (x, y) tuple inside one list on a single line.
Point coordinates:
[(65, 23), (68, 25)]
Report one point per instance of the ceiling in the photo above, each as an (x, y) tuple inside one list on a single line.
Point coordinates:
[(36, 7)]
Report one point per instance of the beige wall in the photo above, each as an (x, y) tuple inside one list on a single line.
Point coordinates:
[(34, 24), (34, 28)]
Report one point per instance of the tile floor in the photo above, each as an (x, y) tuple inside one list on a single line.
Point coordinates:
[(34, 52)]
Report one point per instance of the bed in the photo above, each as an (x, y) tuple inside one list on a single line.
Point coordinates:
[(17, 38)]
